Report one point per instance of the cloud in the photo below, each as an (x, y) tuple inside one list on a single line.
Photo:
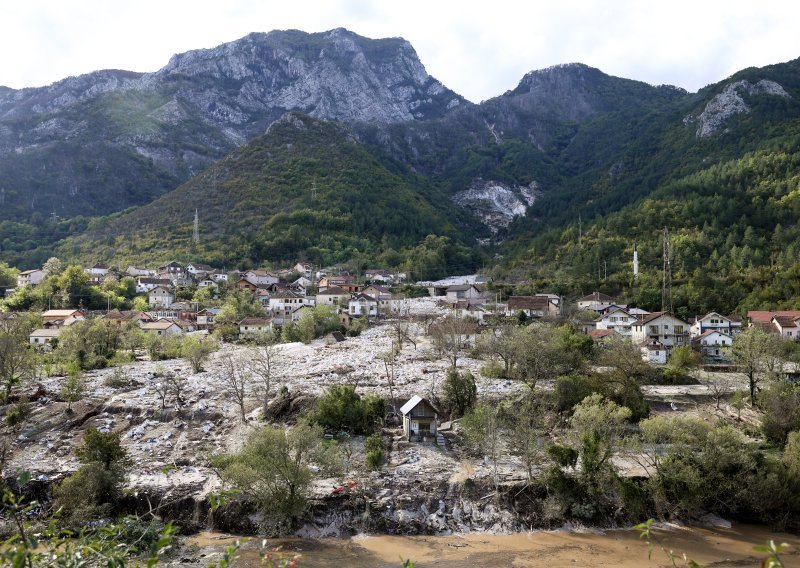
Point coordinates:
[(479, 49)]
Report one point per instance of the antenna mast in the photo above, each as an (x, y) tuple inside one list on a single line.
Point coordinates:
[(635, 264), (666, 290), (196, 229)]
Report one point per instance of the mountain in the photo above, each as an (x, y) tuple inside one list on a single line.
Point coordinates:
[(305, 189), (98, 143)]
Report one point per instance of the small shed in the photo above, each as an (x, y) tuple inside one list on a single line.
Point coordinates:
[(419, 419)]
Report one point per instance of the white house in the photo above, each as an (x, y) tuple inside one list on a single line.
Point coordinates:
[(161, 328), (378, 292), (206, 317), (714, 344), (664, 327), (42, 339), (282, 304), (260, 277), (655, 352), (30, 277), (594, 299), (207, 283), (618, 320), (787, 326), (218, 276), (537, 306), (334, 296), (196, 268), (160, 296), (462, 292), (134, 271), (252, 327), (302, 282), (98, 270), (716, 322), (145, 284), (362, 305)]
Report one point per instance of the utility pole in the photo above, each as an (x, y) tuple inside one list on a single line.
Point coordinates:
[(666, 288), (635, 265), (580, 231)]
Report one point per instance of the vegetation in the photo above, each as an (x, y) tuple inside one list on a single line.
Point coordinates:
[(341, 408), (274, 470)]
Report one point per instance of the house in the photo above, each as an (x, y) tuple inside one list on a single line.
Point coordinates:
[(788, 326), (60, 316), (362, 305), (336, 281), (218, 276), (162, 328), (655, 352), (121, 318), (378, 276), (663, 328), (303, 268), (302, 282), (172, 268), (594, 299), (43, 339), (252, 327), (30, 277), (261, 277), (205, 318), (333, 296), (207, 283), (462, 292), (466, 309), (537, 306), (765, 316), (714, 345), (145, 284), (713, 321), (160, 296), (419, 419), (301, 311), (175, 273), (378, 292), (604, 335), (98, 270), (196, 268), (618, 320), (134, 271), (284, 303), (245, 284)]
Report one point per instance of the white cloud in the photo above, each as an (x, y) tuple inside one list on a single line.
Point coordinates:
[(479, 49)]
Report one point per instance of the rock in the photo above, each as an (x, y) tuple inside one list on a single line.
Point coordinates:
[(730, 102)]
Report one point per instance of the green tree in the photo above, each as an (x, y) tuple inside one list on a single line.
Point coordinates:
[(274, 469), (197, 351), (73, 388), (754, 351), (459, 392), (342, 408), (17, 360), (482, 429)]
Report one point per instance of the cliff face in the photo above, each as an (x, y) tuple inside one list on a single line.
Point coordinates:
[(145, 133)]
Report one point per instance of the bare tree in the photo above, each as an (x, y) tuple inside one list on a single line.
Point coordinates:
[(482, 430), (236, 380), (176, 384), (262, 360), (450, 335), (388, 359), (162, 391), (718, 386), (401, 332), (500, 342)]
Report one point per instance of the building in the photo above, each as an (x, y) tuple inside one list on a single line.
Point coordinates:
[(206, 318), (462, 292), (537, 306), (730, 325), (594, 299), (260, 277), (145, 284), (250, 328), (419, 419), (788, 326), (333, 296), (663, 328), (282, 304), (714, 345), (362, 305), (30, 277), (43, 339), (161, 328), (160, 297), (61, 316), (618, 320)]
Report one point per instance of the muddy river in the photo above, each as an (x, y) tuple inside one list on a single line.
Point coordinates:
[(620, 549)]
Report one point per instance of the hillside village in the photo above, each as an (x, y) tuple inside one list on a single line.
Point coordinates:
[(176, 299)]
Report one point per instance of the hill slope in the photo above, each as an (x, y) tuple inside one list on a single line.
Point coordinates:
[(306, 188)]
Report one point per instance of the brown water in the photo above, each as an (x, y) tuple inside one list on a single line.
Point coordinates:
[(716, 548)]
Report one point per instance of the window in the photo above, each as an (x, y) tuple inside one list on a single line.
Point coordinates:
[(654, 329), (678, 329)]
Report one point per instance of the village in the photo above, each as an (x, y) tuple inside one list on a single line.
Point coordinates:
[(385, 339), (285, 295)]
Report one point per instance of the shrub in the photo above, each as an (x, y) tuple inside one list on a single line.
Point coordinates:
[(374, 459), (18, 413), (341, 408), (460, 392)]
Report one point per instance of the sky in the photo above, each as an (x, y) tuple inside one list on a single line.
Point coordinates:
[(478, 49)]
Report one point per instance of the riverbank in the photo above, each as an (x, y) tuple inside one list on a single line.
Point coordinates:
[(720, 548)]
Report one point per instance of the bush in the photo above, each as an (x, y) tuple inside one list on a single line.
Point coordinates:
[(374, 459), (460, 392), (341, 408), (118, 379), (374, 442), (18, 413)]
